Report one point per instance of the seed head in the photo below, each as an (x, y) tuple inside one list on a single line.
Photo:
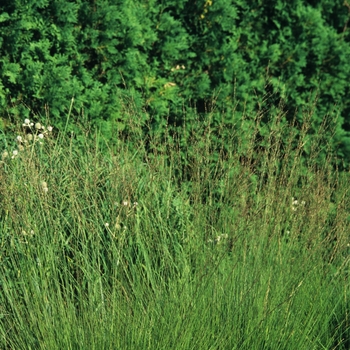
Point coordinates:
[(37, 126), (4, 155), (44, 187)]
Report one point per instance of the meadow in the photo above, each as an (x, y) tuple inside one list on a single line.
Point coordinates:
[(171, 244)]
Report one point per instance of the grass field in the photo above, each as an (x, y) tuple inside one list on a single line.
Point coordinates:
[(150, 247)]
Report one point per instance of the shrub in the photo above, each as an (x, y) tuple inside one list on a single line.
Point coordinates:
[(172, 57)]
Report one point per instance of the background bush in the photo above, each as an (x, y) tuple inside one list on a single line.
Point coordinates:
[(169, 58)]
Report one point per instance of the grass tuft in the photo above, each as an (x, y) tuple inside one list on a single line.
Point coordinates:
[(175, 243)]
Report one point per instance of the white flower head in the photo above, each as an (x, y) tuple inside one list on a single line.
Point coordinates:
[(41, 136), (31, 233), (19, 138), (37, 126), (106, 224), (14, 154), (50, 128), (296, 204)]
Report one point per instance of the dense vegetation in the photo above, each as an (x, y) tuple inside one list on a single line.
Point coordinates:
[(130, 249), (174, 58), (173, 175)]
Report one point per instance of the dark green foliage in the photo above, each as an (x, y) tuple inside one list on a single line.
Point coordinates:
[(167, 57)]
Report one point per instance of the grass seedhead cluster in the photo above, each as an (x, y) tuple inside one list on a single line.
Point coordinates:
[(176, 243)]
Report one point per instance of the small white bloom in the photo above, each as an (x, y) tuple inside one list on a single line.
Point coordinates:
[(41, 136), (106, 224), (296, 204), (15, 153), (125, 203), (31, 233), (37, 126), (26, 122), (49, 128)]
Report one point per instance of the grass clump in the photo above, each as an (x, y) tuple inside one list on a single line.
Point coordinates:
[(174, 244)]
